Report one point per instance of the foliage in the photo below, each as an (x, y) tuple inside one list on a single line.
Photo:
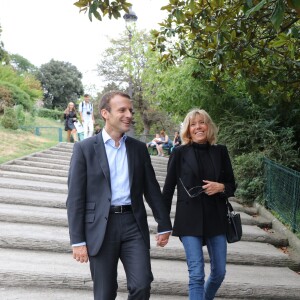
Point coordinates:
[(4, 57), (9, 119), (25, 89), (50, 113), (249, 140), (5, 98), (20, 114), (100, 8), (237, 38), (127, 60), (21, 64), (61, 82)]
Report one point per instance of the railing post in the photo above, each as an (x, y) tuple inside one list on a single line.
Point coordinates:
[(37, 131), (60, 135)]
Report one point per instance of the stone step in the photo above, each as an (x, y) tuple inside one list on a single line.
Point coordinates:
[(58, 153), (33, 170), (21, 268), (36, 203), (250, 234), (21, 184), (30, 163), (33, 177), (14, 293), (56, 239), (64, 162)]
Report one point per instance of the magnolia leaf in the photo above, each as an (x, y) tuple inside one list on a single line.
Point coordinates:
[(278, 14), (255, 8)]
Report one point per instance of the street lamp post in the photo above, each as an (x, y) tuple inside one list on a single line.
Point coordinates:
[(129, 18)]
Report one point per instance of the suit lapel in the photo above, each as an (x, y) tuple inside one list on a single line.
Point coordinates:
[(130, 157), (102, 158)]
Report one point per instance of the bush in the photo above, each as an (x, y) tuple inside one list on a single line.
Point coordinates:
[(50, 113), (20, 114), (5, 98), (248, 142), (10, 119)]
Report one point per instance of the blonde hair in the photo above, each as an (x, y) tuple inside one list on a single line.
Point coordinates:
[(212, 130), (67, 110)]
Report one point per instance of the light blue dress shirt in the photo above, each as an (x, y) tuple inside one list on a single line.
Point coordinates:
[(118, 168)]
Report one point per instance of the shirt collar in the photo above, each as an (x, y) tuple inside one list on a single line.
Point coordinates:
[(107, 137)]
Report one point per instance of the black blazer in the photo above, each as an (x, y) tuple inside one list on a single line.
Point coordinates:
[(204, 215), (89, 195)]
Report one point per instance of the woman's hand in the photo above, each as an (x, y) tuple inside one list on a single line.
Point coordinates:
[(212, 187)]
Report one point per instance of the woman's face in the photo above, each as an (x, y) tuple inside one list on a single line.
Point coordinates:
[(198, 129), (71, 105)]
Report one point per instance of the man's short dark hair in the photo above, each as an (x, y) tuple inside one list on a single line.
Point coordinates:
[(86, 95), (105, 100)]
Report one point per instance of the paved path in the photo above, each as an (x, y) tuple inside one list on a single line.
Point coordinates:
[(35, 254)]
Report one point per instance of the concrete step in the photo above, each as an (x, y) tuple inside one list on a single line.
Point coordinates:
[(21, 268), (29, 293), (33, 170), (56, 239), (250, 234), (42, 205), (21, 184), (33, 177), (30, 163), (65, 162)]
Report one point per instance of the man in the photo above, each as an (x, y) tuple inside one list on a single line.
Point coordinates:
[(86, 111), (109, 174)]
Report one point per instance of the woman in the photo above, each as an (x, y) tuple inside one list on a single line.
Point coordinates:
[(176, 141), (70, 117), (165, 144), (203, 174)]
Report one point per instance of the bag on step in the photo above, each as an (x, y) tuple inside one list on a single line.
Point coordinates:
[(234, 230)]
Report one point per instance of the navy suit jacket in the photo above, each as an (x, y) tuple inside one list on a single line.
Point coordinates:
[(89, 195)]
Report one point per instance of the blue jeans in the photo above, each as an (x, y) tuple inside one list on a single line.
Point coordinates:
[(217, 250)]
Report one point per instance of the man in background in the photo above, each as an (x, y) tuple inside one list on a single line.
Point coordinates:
[(87, 116)]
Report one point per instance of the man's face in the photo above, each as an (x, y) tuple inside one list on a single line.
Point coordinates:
[(119, 118), (87, 99)]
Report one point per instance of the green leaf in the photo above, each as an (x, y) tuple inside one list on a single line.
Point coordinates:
[(255, 8), (278, 14)]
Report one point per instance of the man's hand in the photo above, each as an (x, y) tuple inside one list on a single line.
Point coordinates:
[(80, 254), (162, 239)]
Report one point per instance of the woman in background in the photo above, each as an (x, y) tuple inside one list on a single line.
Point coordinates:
[(203, 174), (70, 117)]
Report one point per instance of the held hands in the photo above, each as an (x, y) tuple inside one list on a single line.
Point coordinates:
[(162, 239), (212, 187), (80, 254)]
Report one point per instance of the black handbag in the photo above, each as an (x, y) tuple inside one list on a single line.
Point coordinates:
[(234, 230)]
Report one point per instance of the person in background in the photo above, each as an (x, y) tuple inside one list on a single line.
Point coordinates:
[(110, 175), (70, 117), (155, 141), (166, 144), (97, 128), (176, 141), (86, 111), (203, 174)]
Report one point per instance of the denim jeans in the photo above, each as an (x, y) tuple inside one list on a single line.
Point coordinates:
[(217, 250)]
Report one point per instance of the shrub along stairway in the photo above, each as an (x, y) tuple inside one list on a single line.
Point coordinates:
[(36, 260)]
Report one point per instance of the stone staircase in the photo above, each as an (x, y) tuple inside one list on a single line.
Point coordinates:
[(36, 260)]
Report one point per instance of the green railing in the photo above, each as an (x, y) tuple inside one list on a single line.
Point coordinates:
[(47, 131), (282, 193)]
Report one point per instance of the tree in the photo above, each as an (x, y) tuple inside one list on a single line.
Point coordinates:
[(4, 57), (129, 60), (100, 8), (61, 82), (21, 64)]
